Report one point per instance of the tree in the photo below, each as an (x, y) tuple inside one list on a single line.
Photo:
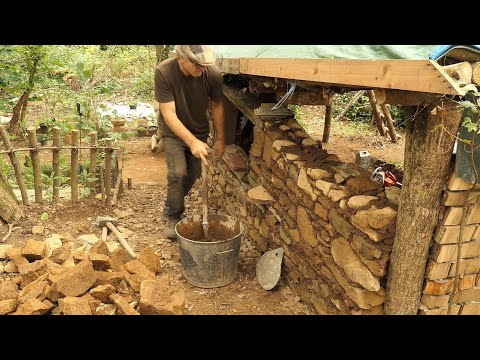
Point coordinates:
[(10, 210), (20, 65)]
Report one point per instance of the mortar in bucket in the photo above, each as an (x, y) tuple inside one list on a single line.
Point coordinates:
[(214, 263)]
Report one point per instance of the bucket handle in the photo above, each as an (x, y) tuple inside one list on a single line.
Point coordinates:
[(224, 252)]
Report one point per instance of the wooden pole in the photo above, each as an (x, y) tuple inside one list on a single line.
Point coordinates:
[(102, 182), (428, 154), (16, 165), (376, 113), (56, 164), (129, 183), (108, 171), (350, 104), (74, 163), (37, 180), (328, 120), (117, 190), (388, 118), (93, 163)]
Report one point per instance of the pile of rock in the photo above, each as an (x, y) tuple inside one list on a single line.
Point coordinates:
[(51, 277)]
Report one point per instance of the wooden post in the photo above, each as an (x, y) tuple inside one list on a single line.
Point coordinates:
[(328, 120), (56, 164), (102, 182), (129, 183), (108, 171), (74, 163), (350, 104), (118, 189), (388, 118), (428, 153), (93, 163), (37, 180), (376, 113), (16, 165)]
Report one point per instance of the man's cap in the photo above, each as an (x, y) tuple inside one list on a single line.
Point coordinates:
[(198, 54)]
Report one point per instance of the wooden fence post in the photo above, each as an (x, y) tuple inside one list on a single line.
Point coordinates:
[(56, 164), (37, 180), (74, 163), (108, 171), (93, 163), (16, 165)]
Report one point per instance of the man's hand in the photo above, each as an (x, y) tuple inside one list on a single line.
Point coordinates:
[(200, 150), (219, 149)]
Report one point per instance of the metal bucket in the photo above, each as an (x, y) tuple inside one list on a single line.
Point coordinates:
[(214, 263)]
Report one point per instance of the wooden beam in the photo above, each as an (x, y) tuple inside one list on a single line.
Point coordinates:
[(428, 153), (244, 102), (305, 98), (460, 71), (229, 66), (401, 97), (412, 75)]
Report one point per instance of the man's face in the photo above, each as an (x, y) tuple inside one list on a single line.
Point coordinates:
[(194, 69)]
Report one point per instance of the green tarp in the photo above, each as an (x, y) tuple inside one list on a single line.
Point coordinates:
[(410, 52)]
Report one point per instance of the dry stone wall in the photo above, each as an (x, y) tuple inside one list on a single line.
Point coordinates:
[(335, 225), (441, 265)]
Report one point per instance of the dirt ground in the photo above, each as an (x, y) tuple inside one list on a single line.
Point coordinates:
[(140, 213)]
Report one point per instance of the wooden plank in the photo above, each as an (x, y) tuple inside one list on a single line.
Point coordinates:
[(229, 66), (412, 75), (246, 103)]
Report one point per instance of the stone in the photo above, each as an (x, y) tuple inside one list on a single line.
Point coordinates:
[(340, 224), (360, 201), (382, 218), (151, 260), (157, 297), (76, 280), (33, 250), (74, 306), (305, 226), (102, 292), (350, 263), (123, 307)]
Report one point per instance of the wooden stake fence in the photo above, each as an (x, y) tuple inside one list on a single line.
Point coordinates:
[(33, 149)]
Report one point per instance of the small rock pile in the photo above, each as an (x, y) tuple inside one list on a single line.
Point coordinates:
[(55, 277)]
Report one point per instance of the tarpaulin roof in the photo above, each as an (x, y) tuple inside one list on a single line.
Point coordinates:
[(367, 52)]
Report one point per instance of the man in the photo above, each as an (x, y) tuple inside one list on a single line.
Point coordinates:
[(184, 86)]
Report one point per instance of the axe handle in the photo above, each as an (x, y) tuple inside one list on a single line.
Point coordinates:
[(121, 239)]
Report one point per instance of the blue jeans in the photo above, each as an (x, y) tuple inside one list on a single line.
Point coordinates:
[(183, 170)]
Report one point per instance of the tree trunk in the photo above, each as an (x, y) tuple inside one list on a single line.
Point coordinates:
[(10, 211), (17, 113), (20, 108), (162, 52), (428, 152)]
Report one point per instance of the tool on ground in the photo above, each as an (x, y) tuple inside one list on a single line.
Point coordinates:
[(110, 222), (269, 268), (205, 202), (384, 178)]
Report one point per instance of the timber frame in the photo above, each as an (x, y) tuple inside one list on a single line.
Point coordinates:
[(402, 82)]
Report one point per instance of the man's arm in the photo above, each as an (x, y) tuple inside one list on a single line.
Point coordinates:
[(198, 148), (218, 113)]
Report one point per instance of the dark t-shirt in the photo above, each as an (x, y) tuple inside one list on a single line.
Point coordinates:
[(191, 96)]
